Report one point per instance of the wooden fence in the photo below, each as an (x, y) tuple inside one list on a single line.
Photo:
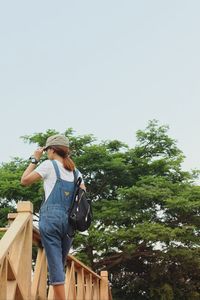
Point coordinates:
[(21, 279)]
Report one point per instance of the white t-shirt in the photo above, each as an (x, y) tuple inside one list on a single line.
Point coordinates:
[(47, 172)]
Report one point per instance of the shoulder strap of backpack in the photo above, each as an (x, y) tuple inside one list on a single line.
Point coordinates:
[(75, 172), (77, 180)]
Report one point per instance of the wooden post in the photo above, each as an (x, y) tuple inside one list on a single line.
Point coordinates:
[(16, 255), (104, 286), (3, 281), (96, 294), (24, 206), (80, 284), (25, 267), (39, 283)]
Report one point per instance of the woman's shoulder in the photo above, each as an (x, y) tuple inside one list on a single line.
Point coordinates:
[(46, 162), (45, 165), (44, 168)]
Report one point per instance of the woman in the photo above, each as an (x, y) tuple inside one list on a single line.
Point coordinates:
[(57, 174)]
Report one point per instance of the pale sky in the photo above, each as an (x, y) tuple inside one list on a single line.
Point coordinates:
[(100, 67)]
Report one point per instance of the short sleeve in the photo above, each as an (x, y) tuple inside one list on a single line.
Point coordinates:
[(44, 168)]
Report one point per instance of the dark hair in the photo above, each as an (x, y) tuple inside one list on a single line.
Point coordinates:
[(65, 154)]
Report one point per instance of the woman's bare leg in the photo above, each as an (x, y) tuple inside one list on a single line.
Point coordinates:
[(59, 292)]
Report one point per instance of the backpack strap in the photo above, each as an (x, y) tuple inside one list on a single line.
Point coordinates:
[(56, 169), (77, 180), (75, 172)]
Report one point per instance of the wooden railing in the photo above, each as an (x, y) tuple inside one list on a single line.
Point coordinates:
[(21, 278)]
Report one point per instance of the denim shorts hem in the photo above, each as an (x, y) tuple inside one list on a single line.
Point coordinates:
[(57, 283)]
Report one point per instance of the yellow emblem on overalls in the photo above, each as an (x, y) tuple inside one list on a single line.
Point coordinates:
[(67, 193)]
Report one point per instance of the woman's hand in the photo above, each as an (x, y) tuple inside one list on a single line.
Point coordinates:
[(30, 176), (38, 153)]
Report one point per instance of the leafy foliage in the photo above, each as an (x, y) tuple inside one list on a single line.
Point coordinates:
[(146, 212)]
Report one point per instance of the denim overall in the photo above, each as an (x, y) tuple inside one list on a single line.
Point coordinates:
[(53, 226)]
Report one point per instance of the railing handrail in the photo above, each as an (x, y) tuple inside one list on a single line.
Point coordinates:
[(79, 264), (14, 230)]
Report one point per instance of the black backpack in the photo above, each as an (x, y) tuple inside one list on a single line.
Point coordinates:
[(80, 213)]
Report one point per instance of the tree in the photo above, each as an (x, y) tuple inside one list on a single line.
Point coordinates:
[(146, 212)]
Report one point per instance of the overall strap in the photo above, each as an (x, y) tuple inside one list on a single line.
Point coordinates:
[(56, 169)]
